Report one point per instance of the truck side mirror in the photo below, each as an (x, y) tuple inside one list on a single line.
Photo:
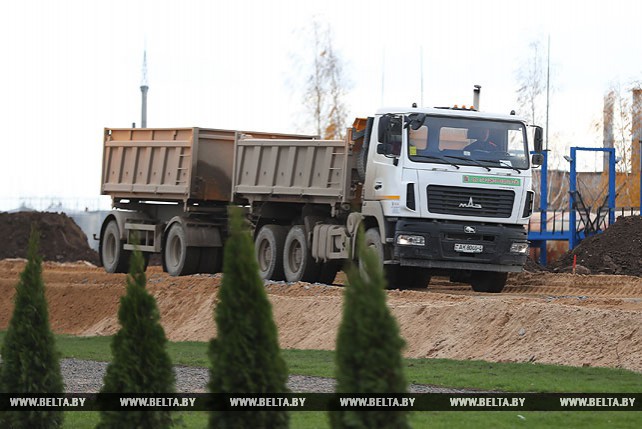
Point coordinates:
[(384, 128), (537, 159), (415, 121), (538, 140)]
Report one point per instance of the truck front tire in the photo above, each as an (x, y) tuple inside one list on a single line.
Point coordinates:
[(396, 276), (269, 244), (114, 258), (179, 259), (298, 264), (373, 241)]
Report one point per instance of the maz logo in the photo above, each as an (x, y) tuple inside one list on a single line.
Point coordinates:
[(470, 204)]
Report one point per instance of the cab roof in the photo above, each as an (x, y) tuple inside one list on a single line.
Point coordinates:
[(452, 112)]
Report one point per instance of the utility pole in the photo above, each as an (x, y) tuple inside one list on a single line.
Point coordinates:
[(421, 75), (548, 86), (143, 89)]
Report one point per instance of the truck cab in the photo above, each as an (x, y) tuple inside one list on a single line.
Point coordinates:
[(450, 190)]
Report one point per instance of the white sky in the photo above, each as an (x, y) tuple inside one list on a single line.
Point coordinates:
[(72, 67)]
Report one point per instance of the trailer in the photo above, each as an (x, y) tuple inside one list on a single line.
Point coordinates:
[(429, 200)]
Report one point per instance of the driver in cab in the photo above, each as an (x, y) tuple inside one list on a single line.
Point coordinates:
[(482, 140)]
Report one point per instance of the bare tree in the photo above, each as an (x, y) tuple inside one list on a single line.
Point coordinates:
[(531, 79), (622, 129), (625, 134), (326, 84), (337, 114), (531, 91), (314, 97)]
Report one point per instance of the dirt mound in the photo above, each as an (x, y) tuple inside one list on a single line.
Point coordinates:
[(618, 250), (61, 240), (564, 319), (532, 266)]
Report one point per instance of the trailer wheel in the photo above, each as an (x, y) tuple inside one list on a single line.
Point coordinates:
[(298, 264), (114, 258), (211, 260), (180, 259), (269, 244), (487, 281)]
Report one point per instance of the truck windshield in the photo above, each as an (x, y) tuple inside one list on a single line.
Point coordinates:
[(492, 144)]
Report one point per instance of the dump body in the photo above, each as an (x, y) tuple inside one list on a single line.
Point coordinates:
[(178, 164), (312, 171)]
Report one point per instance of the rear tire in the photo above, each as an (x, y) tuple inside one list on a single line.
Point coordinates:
[(114, 258), (179, 259), (298, 264), (268, 247), (488, 281)]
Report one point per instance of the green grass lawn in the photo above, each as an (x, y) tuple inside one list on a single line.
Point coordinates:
[(432, 420), (508, 377)]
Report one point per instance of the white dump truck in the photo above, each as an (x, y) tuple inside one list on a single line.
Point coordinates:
[(430, 198)]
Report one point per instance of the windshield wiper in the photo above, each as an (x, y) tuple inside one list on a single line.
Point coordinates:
[(504, 163), (441, 158), (474, 161)]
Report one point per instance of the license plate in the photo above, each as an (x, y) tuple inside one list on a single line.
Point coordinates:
[(469, 248)]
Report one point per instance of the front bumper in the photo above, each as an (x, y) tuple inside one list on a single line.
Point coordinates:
[(440, 238)]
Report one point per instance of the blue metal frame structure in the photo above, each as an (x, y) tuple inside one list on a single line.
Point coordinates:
[(575, 238), (539, 238)]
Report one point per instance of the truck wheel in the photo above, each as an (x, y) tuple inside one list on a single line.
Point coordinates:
[(298, 264), (487, 281), (373, 241), (114, 258), (269, 245), (180, 259), (211, 260), (413, 278)]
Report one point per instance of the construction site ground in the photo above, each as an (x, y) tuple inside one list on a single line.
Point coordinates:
[(544, 315), (541, 317)]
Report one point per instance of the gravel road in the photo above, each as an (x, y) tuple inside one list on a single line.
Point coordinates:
[(85, 376)]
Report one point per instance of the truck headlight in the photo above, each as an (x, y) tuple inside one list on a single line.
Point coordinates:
[(411, 240), (519, 248)]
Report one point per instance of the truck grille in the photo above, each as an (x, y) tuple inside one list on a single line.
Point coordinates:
[(470, 201)]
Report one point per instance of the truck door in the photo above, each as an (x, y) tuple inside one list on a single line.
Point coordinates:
[(383, 175)]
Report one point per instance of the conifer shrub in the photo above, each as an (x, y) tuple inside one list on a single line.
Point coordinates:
[(30, 363), (369, 346), (140, 361), (245, 355)]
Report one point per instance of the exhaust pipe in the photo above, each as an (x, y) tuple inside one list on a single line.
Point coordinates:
[(476, 91)]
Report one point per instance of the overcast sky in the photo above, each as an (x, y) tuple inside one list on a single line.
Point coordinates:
[(71, 68)]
